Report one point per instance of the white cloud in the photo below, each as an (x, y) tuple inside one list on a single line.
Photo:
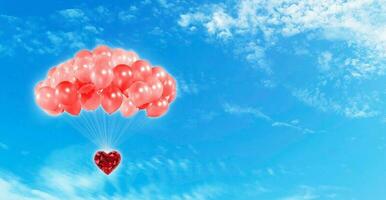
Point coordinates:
[(355, 108), (126, 16), (324, 61), (305, 192), (11, 188), (361, 22), (189, 87), (354, 31), (165, 3), (76, 31), (364, 111), (235, 109), (146, 177), (293, 126), (75, 177), (220, 24), (74, 14)]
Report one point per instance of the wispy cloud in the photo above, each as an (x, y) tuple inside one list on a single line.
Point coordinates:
[(22, 33), (150, 177), (289, 17), (293, 126), (235, 109), (306, 192), (238, 110), (319, 100), (74, 14), (66, 178), (255, 27)]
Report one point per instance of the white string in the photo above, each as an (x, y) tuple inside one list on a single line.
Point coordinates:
[(104, 130)]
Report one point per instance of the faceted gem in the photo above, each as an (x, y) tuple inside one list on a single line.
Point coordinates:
[(107, 162)]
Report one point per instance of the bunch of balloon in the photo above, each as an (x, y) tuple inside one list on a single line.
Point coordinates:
[(113, 79)]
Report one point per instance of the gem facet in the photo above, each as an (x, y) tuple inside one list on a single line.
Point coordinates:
[(107, 162)]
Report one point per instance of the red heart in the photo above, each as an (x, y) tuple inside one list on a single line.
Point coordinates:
[(107, 162)]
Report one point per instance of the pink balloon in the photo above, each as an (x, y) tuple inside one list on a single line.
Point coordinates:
[(46, 98), (62, 73), (169, 88), (73, 109), (172, 96), (111, 99), (40, 85), (51, 72), (68, 66), (123, 76), (141, 70), (121, 56), (83, 64), (128, 108), (83, 53), (66, 93), (156, 88), (102, 74), (90, 100), (132, 56), (102, 50), (160, 73), (139, 92), (157, 108)]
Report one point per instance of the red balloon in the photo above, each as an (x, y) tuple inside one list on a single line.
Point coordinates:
[(123, 76), (144, 106), (160, 73), (90, 100), (157, 108), (66, 93), (111, 99), (73, 109), (86, 88), (78, 84), (56, 112), (102, 50), (128, 108), (139, 92), (156, 88), (83, 64), (141, 70), (169, 88), (102, 74), (46, 98)]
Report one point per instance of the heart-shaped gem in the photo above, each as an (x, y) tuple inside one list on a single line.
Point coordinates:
[(107, 162)]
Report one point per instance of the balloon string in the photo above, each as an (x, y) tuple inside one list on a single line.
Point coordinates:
[(104, 130)]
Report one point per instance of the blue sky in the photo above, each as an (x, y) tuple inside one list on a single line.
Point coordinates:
[(280, 100)]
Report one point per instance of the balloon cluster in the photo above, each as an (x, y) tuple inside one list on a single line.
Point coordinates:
[(113, 78)]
